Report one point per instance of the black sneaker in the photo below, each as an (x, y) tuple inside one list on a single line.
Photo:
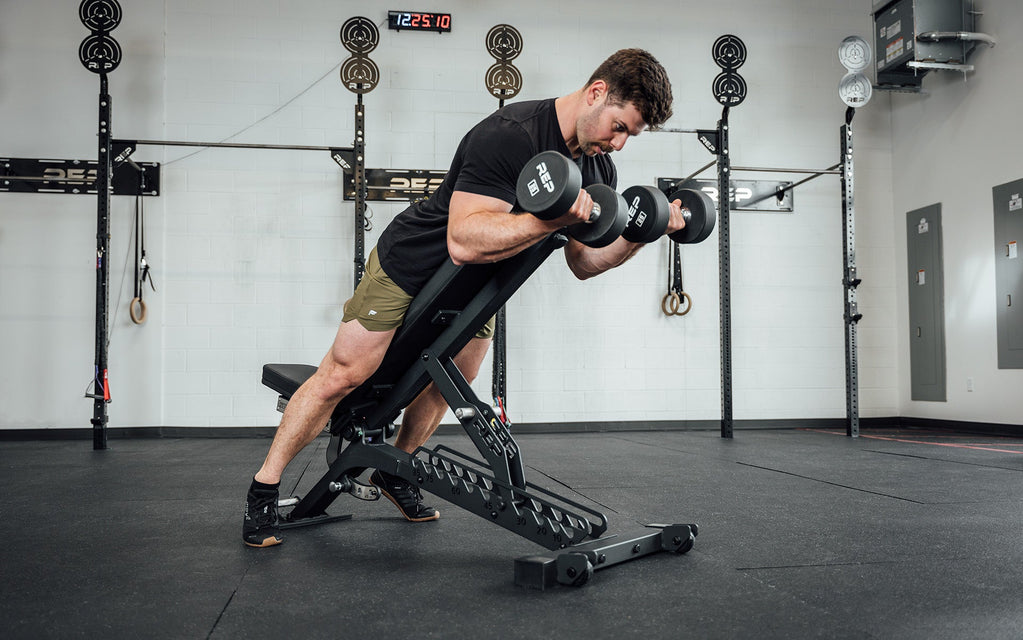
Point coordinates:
[(261, 526), (405, 496)]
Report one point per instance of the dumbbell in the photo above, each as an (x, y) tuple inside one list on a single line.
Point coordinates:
[(548, 187), (649, 214), (550, 182)]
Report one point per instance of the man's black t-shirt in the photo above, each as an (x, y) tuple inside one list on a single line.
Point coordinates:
[(487, 162)]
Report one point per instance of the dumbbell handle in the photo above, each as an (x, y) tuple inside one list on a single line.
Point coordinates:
[(594, 213)]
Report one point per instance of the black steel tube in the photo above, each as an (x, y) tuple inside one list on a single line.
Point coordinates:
[(359, 183), (850, 281), (724, 261), (99, 395), (499, 380)]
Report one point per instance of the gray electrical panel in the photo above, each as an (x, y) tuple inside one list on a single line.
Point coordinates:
[(1008, 200), (914, 36), (926, 304)]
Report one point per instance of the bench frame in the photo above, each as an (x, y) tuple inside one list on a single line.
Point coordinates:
[(440, 321)]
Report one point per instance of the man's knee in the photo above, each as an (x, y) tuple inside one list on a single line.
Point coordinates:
[(353, 358), (333, 381)]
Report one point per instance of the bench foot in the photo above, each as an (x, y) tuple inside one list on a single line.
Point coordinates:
[(307, 522), (576, 565)]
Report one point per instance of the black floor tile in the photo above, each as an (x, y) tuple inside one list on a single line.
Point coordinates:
[(803, 534)]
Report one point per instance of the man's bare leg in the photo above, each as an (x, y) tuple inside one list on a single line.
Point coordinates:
[(424, 414), (354, 356)]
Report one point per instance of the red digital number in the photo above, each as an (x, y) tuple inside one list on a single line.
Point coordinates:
[(445, 21), (426, 20), (415, 19)]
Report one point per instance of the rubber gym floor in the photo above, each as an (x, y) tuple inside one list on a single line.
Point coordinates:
[(804, 533)]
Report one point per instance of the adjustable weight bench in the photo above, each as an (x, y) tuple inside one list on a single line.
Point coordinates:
[(441, 320)]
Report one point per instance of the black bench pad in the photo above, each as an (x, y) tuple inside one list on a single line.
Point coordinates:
[(285, 379)]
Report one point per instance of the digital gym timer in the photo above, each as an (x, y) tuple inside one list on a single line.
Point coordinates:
[(419, 21)]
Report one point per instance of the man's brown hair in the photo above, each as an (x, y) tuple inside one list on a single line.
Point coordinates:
[(633, 75)]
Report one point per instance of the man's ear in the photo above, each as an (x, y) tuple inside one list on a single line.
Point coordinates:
[(596, 91)]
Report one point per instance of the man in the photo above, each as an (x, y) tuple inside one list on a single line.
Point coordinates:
[(471, 218)]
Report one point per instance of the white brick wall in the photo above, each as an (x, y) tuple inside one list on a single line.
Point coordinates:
[(252, 250)]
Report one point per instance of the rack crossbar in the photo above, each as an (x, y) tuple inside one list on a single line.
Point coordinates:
[(231, 145)]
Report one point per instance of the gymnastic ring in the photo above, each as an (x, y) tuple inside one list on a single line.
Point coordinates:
[(670, 301), (688, 305), (140, 317), (673, 301)]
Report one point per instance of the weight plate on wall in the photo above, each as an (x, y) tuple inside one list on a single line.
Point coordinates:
[(504, 42), (100, 53), (854, 53), (100, 15), (503, 80), (359, 74), (359, 35), (855, 89), (729, 88), (729, 52)]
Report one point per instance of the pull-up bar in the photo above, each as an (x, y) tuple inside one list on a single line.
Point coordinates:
[(832, 170), (675, 130), (692, 175), (232, 145), (815, 172)]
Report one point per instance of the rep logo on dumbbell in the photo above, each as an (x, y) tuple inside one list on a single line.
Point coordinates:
[(545, 179), (640, 214), (650, 212), (561, 182)]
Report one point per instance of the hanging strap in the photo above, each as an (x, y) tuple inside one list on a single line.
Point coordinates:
[(137, 307), (676, 302)]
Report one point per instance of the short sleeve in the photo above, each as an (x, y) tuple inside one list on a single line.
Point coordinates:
[(495, 152)]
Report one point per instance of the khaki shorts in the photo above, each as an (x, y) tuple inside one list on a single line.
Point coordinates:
[(379, 304)]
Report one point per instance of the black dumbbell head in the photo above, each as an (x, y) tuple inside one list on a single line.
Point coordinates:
[(702, 216), (548, 185), (649, 213), (609, 223)]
